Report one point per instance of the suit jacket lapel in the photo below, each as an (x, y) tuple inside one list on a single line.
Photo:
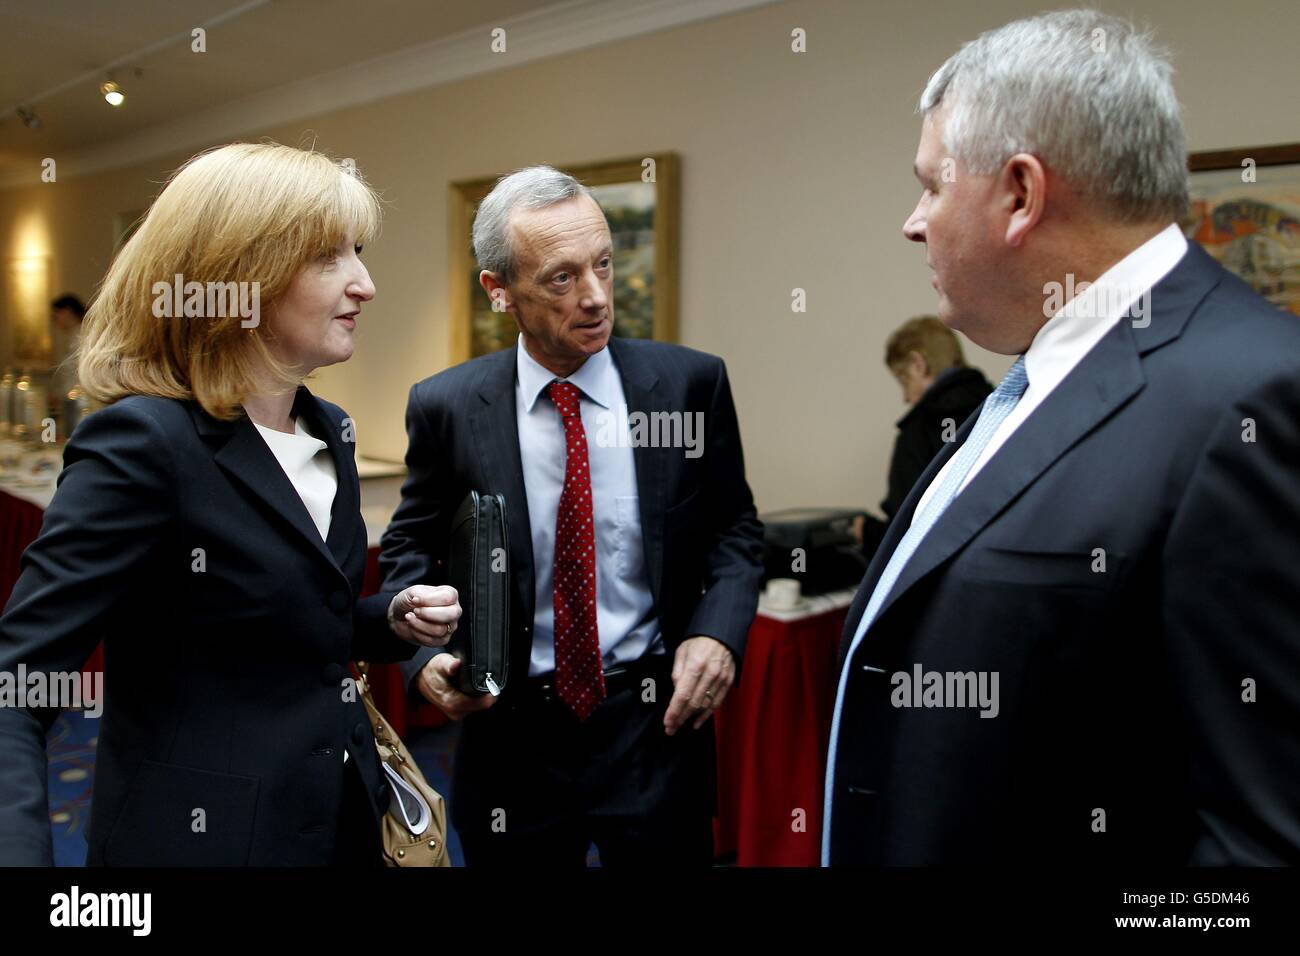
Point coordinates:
[(1105, 380), (345, 510), (496, 435), (247, 459), (640, 389), (897, 528)]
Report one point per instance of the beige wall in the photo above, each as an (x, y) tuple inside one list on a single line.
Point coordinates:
[(796, 172)]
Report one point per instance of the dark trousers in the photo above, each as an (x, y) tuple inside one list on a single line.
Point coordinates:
[(535, 786)]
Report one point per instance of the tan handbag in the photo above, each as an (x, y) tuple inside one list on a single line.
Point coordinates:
[(425, 806)]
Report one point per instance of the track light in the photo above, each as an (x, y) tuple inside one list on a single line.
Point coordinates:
[(112, 93)]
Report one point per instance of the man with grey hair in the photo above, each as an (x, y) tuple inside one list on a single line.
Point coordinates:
[(1109, 548), (636, 560)]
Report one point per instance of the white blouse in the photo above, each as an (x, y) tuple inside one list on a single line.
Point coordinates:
[(312, 473)]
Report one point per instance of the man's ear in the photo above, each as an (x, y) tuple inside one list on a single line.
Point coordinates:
[(497, 292), (1022, 186)]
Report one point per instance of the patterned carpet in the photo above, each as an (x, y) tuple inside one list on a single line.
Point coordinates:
[(70, 748)]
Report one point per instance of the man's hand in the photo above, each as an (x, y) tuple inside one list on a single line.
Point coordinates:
[(423, 614), (703, 672), (437, 682)]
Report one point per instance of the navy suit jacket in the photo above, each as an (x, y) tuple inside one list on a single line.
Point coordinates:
[(702, 538), (1149, 712), (228, 624)]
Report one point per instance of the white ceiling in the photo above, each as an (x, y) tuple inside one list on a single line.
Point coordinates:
[(47, 43)]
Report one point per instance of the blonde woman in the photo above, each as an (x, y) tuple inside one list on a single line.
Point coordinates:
[(207, 527)]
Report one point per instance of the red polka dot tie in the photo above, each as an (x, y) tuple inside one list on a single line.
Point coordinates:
[(579, 677)]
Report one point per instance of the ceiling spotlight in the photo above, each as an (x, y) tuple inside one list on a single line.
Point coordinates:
[(112, 93), (30, 119)]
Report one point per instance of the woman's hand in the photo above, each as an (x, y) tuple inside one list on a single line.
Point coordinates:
[(423, 614)]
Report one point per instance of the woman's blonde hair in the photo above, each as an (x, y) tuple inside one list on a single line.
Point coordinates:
[(244, 213)]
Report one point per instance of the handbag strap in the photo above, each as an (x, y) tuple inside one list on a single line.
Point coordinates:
[(383, 731)]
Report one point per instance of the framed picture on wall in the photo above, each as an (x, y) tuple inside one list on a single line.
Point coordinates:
[(640, 200), (1245, 211)]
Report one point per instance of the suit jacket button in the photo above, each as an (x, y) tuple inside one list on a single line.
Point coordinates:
[(332, 675), (338, 601)]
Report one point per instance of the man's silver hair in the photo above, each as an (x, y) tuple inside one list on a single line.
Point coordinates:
[(1087, 93), (530, 188)]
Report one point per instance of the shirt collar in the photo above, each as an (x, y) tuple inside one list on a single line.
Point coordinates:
[(592, 379), (1085, 319), (294, 450)]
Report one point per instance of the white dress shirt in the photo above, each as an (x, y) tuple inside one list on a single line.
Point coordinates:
[(1071, 333), (625, 611)]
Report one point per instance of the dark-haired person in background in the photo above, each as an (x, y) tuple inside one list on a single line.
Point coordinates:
[(66, 315)]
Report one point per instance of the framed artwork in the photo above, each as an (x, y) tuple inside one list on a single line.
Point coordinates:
[(640, 199), (1245, 211)]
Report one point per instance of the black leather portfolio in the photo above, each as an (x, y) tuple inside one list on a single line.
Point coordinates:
[(478, 568)]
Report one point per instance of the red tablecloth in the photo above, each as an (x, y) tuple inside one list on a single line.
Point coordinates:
[(772, 733), (20, 523)]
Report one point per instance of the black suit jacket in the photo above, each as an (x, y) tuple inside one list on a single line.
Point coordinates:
[(703, 540), (228, 625), (1121, 691)]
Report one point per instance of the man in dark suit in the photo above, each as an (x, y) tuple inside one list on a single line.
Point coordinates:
[(635, 555), (1080, 639)]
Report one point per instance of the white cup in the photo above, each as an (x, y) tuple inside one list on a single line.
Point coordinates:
[(782, 594)]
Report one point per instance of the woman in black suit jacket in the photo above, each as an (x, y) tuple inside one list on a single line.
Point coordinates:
[(222, 579)]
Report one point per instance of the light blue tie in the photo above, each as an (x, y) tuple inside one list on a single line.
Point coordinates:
[(996, 408)]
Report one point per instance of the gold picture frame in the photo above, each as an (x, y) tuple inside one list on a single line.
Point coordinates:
[(1245, 211), (640, 196)]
